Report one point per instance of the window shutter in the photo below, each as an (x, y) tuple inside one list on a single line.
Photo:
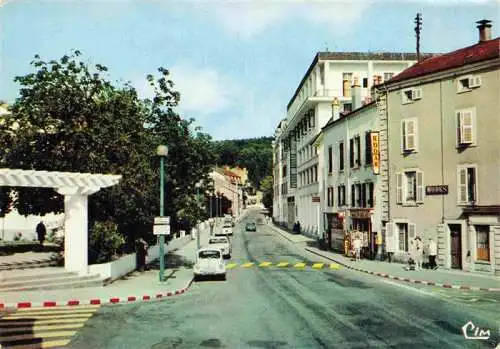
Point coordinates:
[(410, 134), (399, 188), (420, 187), (343, 195), (339, 196), (462, 185), (390, 242), (403, 135), (351, 152), (358, 151), (466, 127), (412, 231)]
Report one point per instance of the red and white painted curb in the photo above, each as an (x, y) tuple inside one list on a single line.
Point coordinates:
[(414, 281), (96, 301)]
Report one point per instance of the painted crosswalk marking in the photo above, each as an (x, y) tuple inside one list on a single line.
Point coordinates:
[(335, 266), (318, 265), (265, 264), (231, 265), (282, 264), (36, 328), (300, 265), (247, 265)]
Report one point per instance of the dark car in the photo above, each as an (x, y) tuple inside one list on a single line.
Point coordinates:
[(251, 227)]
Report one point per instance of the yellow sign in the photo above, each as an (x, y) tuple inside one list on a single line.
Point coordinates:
[(375, 152)]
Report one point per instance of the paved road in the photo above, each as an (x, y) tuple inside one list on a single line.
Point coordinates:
[(271, 307)]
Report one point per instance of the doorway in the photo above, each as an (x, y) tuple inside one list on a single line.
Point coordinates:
[(456, 245)]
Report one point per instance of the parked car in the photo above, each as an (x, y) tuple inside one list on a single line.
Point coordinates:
[(227, 230), (209, 262), (251, 227), (222, 243)]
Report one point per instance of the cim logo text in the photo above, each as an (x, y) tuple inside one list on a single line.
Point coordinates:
[(471, 331)]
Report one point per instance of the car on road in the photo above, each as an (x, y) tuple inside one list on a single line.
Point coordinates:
[(222, 243), (251, 227), (226, 230), (209, 262)]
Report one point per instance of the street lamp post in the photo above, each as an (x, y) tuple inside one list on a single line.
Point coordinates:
[(198, 185), (162, 152)]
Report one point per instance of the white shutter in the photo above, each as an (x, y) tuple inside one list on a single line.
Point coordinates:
[(416, 93), (420, 187), (412, 231), (466, 127), (399, 188), (462, 185), (410, 134), (390, 241)]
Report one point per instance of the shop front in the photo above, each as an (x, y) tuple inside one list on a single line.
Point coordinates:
[(335, 231), (361, 221)]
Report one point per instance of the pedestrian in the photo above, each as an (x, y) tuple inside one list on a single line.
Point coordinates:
[(357, 247), (419, 250), (141, 253), (411, 256), (432, 250), (41, 232), (378, 243)]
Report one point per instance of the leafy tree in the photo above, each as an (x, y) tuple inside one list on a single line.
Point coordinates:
[(267, 186)]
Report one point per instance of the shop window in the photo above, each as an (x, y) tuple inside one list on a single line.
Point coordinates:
[(482, 242)]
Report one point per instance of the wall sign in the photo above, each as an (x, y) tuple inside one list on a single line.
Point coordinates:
[(374, 136), (436, 190)]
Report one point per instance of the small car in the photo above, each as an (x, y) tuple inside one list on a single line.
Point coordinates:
[(251, 227), (209, 262), (222, 243), (227, 230)]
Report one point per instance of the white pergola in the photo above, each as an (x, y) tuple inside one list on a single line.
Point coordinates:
[(76, 187)]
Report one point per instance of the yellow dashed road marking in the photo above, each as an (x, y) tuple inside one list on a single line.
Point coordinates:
[(318, 265), (282, 264), (265, 264), (231, 265), (247, 265), (335, 266), (300, 265)]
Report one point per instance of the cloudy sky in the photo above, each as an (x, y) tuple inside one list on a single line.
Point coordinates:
[(236, 63)]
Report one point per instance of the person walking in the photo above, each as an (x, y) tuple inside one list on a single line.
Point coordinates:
[(142, 252), (41, 232), (419, 250), (378, 243), (432, 250), (357, 248)]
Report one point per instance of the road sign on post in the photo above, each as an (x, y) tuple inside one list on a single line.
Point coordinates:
[(162, 220), (161, 229)]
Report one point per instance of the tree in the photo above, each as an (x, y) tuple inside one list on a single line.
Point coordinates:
[(267, 188), (69, 117)]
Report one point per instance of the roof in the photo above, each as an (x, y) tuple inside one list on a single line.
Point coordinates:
[(481, 51), (352, 113), (356, 56)]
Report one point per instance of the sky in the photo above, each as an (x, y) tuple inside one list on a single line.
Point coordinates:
[(235, 63)]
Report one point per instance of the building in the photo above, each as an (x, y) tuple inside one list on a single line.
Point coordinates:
[(227, 185), (330, 76), (281, 209), (350, 174), (440, 159)]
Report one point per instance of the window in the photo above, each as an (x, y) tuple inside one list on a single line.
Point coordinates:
[(409, 135), (466, 120), (284, 171), (330, 196), (365, 82), (410, 187), (411, 95), (363, 195), (341, 156), (341, 195), (368, 148), (371, 193), (316, 173), (330, 159), (482, 242), (357, 143), (388, 76), (467, 83), (467, 184), (353, 195), (351, 152), (403, 236), (359, 194), (346, 84)]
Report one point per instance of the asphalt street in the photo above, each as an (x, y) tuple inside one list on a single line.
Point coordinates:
[(294, 307)]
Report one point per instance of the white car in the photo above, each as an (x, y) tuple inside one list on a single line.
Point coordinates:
[(222, 243), (209, 262), (226, 229)]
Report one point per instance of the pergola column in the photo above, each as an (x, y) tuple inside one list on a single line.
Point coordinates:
[(76, 228)]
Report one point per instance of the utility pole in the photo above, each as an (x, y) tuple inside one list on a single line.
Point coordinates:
[(418, 28)]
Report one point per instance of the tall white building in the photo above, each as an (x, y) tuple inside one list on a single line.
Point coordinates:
[(328, 78)]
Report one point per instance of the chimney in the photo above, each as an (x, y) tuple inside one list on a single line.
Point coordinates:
[(335, 109), (356, 94), (484, 27)]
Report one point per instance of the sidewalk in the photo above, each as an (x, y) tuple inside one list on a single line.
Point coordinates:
[(446, 278), (131, 288)]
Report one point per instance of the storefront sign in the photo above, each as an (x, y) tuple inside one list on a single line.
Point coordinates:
[(375, 152), (361, 214), (436, 190)]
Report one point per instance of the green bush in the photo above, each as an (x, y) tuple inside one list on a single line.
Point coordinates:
[(104, 242)]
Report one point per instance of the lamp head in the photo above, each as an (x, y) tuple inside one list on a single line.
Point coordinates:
[(162, 150)]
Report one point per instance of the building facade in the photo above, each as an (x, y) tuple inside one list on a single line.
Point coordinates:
[(226, 184), (440, 155), (330, 76)]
